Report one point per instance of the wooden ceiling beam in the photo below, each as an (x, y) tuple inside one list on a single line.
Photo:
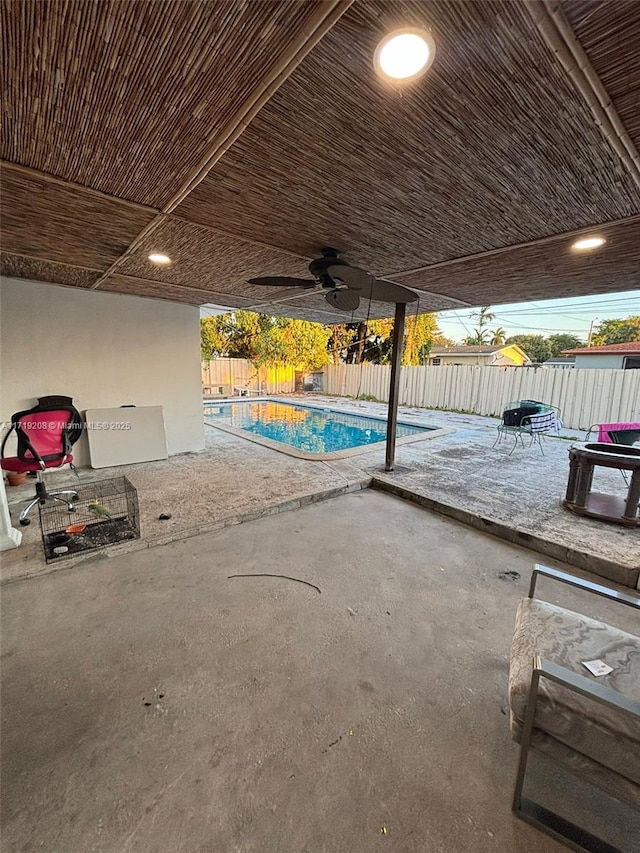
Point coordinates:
[(561, 40), (552, 238)]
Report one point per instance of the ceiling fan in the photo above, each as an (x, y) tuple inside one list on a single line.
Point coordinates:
[(342, 284)]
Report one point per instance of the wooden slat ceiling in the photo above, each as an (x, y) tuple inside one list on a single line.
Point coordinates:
[(552, 268), (493, 149), (121, 96), (112, 108), (609, 32)]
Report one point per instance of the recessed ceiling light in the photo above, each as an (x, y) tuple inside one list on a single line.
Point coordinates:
[(586, 243), (159, 258), (404, 55)]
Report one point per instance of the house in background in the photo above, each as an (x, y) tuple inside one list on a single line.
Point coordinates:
[(507, 355), (561, 362), (612, 356)]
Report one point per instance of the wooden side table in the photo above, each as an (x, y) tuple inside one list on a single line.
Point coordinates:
[(583, 459)]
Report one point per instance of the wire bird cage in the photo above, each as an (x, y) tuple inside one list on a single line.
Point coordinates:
[(104, 513)]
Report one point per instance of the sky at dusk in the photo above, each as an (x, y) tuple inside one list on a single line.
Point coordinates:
[(545, 317)]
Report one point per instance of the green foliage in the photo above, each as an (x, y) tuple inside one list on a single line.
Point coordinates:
[(478, 338), (498, 337), (265, 340), (484, 316), (295, 342), (617, 331), (537, 347), (272, 341), (560, 342), (341, 338), (372, 341), (421, 333), (481, 334)]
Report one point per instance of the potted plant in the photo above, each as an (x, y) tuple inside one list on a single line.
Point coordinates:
[(16, 478)]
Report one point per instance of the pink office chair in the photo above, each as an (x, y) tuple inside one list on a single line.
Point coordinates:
[(45, 436)]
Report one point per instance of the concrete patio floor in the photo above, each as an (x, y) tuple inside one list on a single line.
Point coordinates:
[(514, 496), (152, 703)]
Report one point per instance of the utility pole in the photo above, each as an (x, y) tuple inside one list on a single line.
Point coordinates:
[(591, 331)]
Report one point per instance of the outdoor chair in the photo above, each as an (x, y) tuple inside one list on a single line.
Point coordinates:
[(617, 433), (530, 418), (589, 726), (626, 433), (45, 435)]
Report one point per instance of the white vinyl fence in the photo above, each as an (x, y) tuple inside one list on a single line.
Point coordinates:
[(227, 377), (585, 397)]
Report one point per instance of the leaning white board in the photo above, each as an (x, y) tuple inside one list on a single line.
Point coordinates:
[(125, 435)]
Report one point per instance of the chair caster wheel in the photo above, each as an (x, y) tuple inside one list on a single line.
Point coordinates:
[(25, 522), (71, 508)]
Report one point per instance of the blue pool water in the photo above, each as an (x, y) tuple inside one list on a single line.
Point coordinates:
[(306, 429)]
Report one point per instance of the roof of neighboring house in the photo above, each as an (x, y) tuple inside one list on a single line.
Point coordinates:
[(630, 348), (465, 350)]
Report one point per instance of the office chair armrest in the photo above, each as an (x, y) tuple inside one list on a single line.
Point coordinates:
[(31, 448)]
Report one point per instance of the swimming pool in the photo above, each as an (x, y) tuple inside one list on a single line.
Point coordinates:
[(310, 431)]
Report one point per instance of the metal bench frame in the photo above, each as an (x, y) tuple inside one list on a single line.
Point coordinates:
[(525, 808)]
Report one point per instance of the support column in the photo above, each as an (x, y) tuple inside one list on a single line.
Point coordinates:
[(396, 360)]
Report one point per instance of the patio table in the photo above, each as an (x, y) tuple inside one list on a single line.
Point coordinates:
[(583, 459)]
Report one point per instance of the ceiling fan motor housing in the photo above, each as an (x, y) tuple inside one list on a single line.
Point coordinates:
[(318, 268)]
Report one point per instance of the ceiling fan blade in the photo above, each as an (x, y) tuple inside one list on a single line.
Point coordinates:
[(370, 287), (389, 291), (343, 300), (352, 277), (281, 281)]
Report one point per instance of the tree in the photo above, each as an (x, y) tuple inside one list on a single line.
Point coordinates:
[(481, 335), (421, 333), (265, 340), (484, 316), (213, 341), (233, 335), (478, 338), (372, 340), (617, 331), (298, 343), (340, 339), (378, 344), (560, 342), (498, 337), (537, 347)]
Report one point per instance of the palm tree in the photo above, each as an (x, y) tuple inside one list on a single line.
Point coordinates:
[(478, 338), (484, 316), (498, 337)]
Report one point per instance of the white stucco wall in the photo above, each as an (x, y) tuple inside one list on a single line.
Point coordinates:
[(104, 350), (611, 361)]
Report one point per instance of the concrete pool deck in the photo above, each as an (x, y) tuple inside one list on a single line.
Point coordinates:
[(515, 497)]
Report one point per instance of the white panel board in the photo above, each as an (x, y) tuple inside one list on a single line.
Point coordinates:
[(126, 435)]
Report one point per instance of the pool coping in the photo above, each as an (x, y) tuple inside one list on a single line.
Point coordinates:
[(288, 450)]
